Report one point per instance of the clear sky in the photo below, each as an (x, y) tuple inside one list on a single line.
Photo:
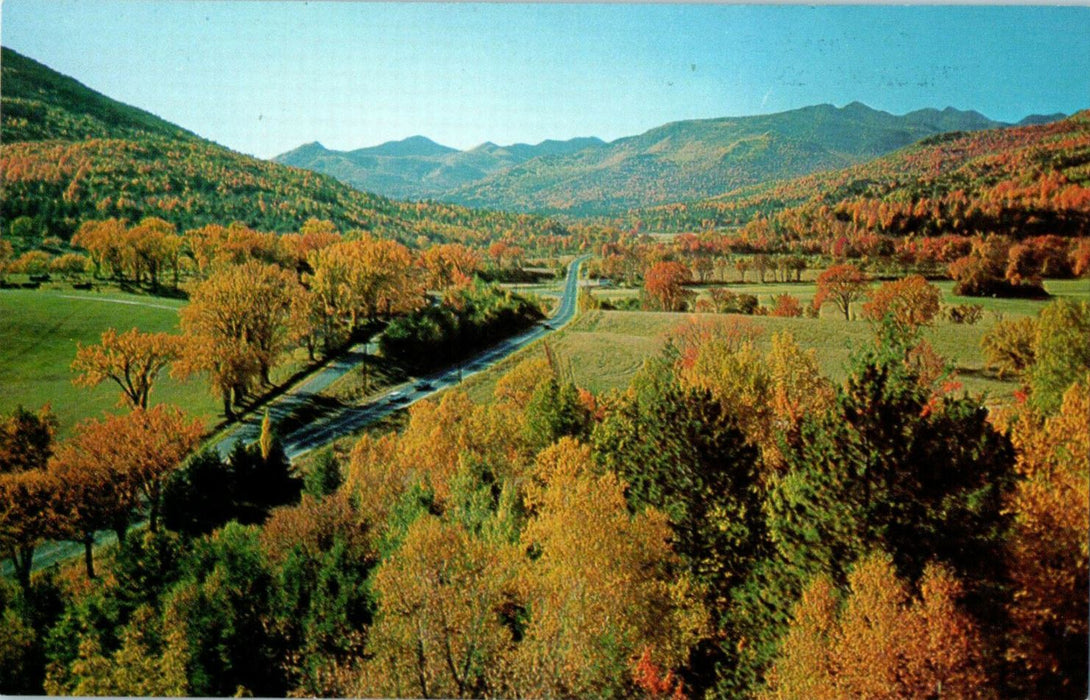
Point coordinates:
[(263, 78)]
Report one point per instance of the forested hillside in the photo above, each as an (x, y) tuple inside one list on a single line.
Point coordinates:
[(69, 154), (694, 159), (1021, 181)]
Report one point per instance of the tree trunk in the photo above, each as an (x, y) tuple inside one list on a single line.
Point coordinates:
[(121, 529), (153, 514), (228, 412), (88, 553), (23, 559)]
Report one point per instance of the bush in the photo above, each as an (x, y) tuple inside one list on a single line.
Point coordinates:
[(964, 313), (1008, 346)]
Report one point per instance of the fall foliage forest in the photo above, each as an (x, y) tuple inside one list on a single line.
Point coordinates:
[(734, 522)]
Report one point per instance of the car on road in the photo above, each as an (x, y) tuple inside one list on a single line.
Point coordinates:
[(423, 385)]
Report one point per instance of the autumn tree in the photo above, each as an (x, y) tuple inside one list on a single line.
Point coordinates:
[(449, 263), (879, 641), (95, 498), (30, 502), (140, 448), (440, 629), (236, 326), (1061, 355), (843, 285), (786, 306), (908, 303), (890, 466), (1049, 547), (664, 283), (30, 513), (33, 262), (1008, 345), (151, 660), (7, 253), (359, 280), (70, 266), (315, 234), (132, 360), (104, 241), (152, 244), (214, 247), (599, 590)]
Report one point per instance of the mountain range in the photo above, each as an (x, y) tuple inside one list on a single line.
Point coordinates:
[(676, 162)]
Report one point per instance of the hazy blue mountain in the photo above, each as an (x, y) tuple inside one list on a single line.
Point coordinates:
[(417, 167), (676, 162)]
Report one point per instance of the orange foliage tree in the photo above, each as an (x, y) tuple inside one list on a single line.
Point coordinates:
[(139, 449), (1050, 548), (236, 325), (29, 507), (907, 303), (133, 360), (786, 306), (878, 641), (449, 263), (664, 283), (842, 285)]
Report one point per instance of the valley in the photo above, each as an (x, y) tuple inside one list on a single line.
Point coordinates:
[(649, 402)]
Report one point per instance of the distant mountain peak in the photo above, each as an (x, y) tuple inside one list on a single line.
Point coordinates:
[(413, 146)]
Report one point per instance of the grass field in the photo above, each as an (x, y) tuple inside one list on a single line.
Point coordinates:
[(39, 330), (603, 349)]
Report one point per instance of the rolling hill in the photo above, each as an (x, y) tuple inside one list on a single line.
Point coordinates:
[(1019, 181), (69, 154), (681, 161)]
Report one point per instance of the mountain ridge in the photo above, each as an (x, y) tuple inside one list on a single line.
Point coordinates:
[(682, 160)]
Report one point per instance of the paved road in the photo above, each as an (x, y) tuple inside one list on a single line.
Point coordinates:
[(348, 419), (345, 420), (352, 418)]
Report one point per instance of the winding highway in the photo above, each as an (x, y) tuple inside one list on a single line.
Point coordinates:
[(348, 419)]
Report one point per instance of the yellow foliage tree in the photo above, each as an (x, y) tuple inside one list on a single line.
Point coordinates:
[(440, 629), (1050, 546), (877, 641), (132, 360), (601, 590)]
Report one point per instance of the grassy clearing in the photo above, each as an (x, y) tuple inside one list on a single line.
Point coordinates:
[(39, 330), (38, 335), (602, 350)]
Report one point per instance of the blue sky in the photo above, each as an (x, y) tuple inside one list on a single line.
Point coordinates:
[(263, 78)]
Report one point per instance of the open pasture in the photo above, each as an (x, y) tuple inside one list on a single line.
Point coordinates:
[(602, 350), (39, 330)]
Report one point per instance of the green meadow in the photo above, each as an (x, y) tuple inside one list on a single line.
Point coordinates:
[(39, 330), (602, 350)]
